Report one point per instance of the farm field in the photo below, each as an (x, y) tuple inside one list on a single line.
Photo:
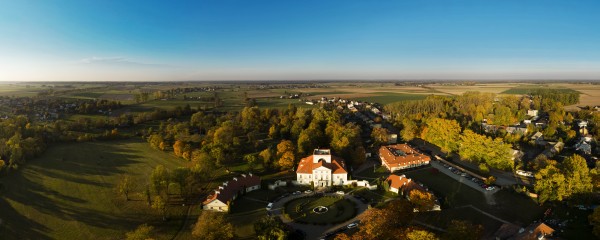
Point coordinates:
[(69, 193)]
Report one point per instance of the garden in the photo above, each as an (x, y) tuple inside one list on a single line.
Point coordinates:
[(320, 210)]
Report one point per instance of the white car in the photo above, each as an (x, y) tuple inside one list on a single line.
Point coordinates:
[(352, 225), (308, 191), (490, 188), (340, 192), (269, 206), (296, 193)]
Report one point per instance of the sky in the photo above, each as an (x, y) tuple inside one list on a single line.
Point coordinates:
[(149, 40)]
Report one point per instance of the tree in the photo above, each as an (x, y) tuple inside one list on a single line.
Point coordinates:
[(550, 184), (443, 133), (2, 163), (285, 146), (577, 175), (212, 226), (142, 232), (422, 200), (270, 228), (125, 186), (409, 129), (159, 179), (203, 163), (380, 136), (594, 219), (463, 230), (160, 205), (178, 148), (420, 235), (286, 161), (267, 157)]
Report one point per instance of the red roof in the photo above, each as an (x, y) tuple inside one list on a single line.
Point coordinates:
[(404, 184), (306, 165), (401, 155), (225, 192)]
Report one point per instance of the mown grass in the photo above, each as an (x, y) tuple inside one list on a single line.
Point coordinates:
[(69, 193)]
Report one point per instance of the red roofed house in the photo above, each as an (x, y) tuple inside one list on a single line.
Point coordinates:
[(403, 186), (321, 169), (401, 156), (226, 193)]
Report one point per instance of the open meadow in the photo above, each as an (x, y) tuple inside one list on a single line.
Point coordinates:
[(69, 193)]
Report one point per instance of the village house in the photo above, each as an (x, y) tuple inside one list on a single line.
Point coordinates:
[(402, 185), (401, 156), (224, 195), (321, 170)]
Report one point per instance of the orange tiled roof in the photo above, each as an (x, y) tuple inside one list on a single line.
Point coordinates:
[(234, 186), (404, 184), (401, 155), (306, 165)]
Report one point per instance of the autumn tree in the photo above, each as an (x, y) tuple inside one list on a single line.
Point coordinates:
[(422, 200), (159, 179), (125, 186), (271, 228), (550, 184), (267, 157), (416, 234), (409, 129), (286, 161), (380, 136), (577, 175), (374, 220), (212, 226), (178, 148), (203, 163), (463, 230), (443, 133), (2, 163), (142, 232), (160, 205)]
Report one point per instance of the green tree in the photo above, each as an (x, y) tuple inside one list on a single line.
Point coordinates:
[(409, 130), (267, 157), (443, 133), (160, 205), (577, 174), (380, 136), (270, 228), (159, 179), (463, 230), (550, 184), (142, 232), (125, 186), (212, 226)]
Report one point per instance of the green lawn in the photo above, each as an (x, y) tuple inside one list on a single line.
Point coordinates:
[(68, 193), (301, 209), (510, 206), (389, 97)]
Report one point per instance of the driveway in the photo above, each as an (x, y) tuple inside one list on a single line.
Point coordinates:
[(315, 231)]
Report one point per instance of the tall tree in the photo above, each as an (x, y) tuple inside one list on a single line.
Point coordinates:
[(271, 228), (577, 175), (550, 184), (422, 200), (125, 186), (380, 136), (443, 133), (160, 205), (212, 226)]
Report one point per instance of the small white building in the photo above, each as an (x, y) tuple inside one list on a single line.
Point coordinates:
[(532, 113), (224, 195)]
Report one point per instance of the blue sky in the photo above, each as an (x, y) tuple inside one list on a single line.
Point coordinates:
[(279, 40)]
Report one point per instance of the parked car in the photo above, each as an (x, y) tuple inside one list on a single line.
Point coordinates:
[(490, 188), (269, 206), (296, 193), (352, 225), (463, 174), (340, 192), (308, 191)]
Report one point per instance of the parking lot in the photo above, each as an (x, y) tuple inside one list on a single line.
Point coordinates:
[(465, 178)]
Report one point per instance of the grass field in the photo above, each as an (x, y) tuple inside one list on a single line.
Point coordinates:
[(68, 193), (528, 89), (510, 206)]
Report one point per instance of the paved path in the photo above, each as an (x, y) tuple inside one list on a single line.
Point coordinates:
[(484, 213), (316, 231)]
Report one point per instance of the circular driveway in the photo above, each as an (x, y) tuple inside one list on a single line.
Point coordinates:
[(316, 231)]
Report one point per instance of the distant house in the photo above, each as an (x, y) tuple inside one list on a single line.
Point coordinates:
[(401, 156), (517, 155), (583, 145), (532, 113), (516, 130), (402, 185), (553, 149), (224, 195), (534, 231), (538, 137), (321, 169)]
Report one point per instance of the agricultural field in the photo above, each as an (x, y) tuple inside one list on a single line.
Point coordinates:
[(69, 193)]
